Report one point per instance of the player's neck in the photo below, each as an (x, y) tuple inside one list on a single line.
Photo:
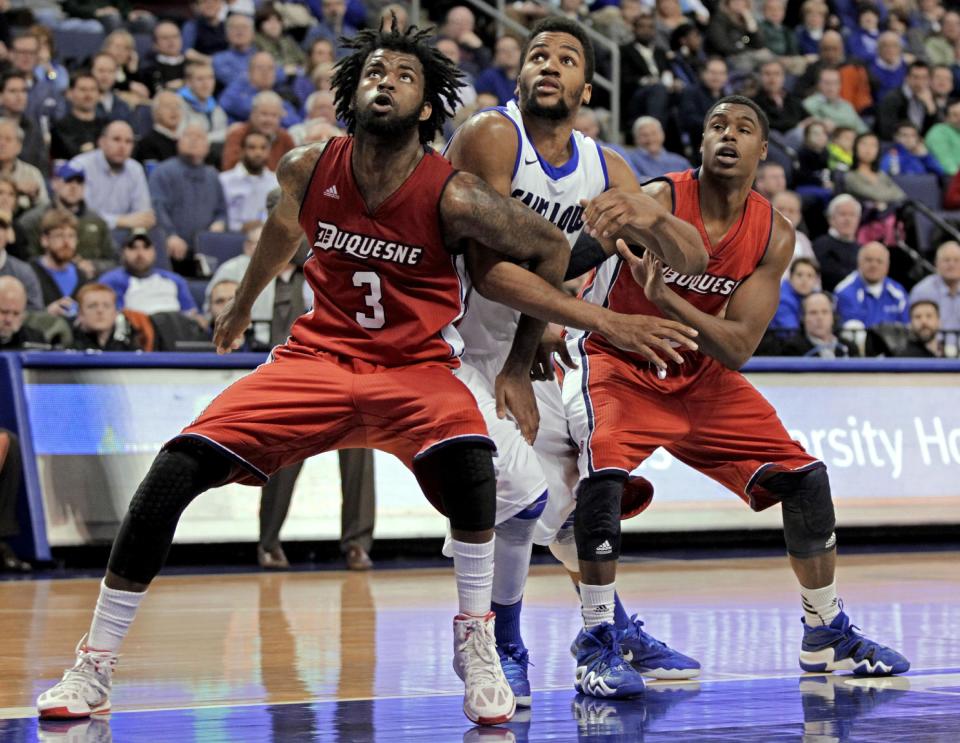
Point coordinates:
[(722, 199), (551, 138), (382, 164)]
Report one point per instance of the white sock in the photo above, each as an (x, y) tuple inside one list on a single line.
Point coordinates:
[(596, 604), (473, 565), (112, 618), (513, 544), (820, 605)]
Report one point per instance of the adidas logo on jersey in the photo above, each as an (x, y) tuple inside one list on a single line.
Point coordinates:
[(331, 193), (604, 548)]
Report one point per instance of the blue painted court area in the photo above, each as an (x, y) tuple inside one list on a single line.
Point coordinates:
[(921, 706)]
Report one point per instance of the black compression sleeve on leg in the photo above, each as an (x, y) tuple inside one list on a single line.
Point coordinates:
[(462, 479), (808, 515), (596, 522), (178, 475)]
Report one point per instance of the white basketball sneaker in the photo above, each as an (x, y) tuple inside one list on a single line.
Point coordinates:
[(487, 697), (84, 689)]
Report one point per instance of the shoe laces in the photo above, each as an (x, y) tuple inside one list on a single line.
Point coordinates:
[(480, 651), (634, 631), (611, 656), (93, 667), (514, 659)]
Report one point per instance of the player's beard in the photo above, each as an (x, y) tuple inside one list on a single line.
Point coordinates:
[(555, 112), (387, 127)]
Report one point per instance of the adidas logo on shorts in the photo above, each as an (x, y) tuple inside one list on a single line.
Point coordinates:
[(605, 548), (331, 193)]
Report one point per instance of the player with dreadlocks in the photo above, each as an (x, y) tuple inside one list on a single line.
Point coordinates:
[(375, 364)]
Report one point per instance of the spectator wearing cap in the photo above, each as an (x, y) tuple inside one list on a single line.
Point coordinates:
[(188, 198), (95, 250), (199, 105), (77, 132), (943, 287), (500, 80), (924, 341), (868, 296), (246, 185), (13, 312), (817, 336), (836, 251), (116, 184), (56, 270), (265, 116), (31, 188), (232, 63), (161, 143), (11, 267), (141, 286), (99, 326), (237, 100), (13, 105)]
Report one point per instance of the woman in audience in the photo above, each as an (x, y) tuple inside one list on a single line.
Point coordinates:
[(271, 39), (876, 190)]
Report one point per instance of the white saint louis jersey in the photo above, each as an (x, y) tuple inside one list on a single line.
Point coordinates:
[(554, 193)]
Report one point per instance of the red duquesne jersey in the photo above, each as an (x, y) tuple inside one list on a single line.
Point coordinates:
[(385, 287), (731, 261)]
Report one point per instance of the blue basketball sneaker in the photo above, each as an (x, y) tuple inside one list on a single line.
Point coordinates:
[(514, 661), (840, 647), (601, 669), (653, 658)]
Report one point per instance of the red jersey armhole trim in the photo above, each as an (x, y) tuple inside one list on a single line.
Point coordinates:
[(313, 174)]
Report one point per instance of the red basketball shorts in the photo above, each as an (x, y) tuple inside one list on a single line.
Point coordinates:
[(304, 402), (709, 417)]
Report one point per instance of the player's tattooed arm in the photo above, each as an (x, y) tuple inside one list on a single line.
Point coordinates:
[(643, 216), (733, 338), (278, 244)]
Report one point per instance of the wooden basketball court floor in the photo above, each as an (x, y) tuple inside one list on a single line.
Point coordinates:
[(344, 658)]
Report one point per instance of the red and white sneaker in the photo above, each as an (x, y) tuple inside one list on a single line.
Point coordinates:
[(84, 689), (487, 696)]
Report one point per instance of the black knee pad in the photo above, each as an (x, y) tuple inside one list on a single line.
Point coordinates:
[(459, 479), (808, 515), (596, 523), (178, 475)]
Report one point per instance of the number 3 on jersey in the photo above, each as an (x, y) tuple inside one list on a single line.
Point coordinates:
[(372, 280)]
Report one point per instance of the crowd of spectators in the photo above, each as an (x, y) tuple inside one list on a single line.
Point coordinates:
[(155, 133)]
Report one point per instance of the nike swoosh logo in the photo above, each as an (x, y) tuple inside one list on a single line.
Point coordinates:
[(530, 162)]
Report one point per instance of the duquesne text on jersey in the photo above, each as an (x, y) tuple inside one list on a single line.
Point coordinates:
[(364, 247), (705, 283)]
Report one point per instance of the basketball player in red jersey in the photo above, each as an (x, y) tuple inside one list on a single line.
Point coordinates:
[(373, 364), (702, 411)]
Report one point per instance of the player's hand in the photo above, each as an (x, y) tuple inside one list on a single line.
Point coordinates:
[(514, 393), (551, 343), (654, 338), (230, 327), (607, 214), (646, 271)]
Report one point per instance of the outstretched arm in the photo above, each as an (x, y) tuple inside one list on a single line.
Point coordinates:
[(277, 245), (644, 216), (732, 338)]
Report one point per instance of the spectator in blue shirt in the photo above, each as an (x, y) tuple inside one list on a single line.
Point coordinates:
[(143, 287), (868, 296), (501, 79), (188, 198), (56, 270), (909, 155), (231, 64), (861, 41), (43, 98), (333, 23), (237, 99), (649, 158), (804, 279), (888, 70)]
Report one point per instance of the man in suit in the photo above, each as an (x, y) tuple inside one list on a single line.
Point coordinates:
[(645, 74)]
